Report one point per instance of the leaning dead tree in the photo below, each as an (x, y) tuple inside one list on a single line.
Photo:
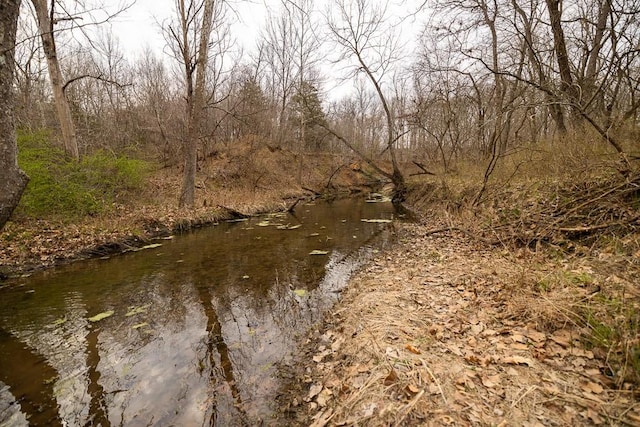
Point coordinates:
[(361, 32), (12, 180)]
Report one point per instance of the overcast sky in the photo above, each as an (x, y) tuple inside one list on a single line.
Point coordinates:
[(140, 24)]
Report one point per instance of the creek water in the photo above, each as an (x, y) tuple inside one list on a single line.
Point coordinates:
[(192, 330)]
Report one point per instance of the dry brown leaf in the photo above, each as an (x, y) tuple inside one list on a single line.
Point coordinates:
[(491, 381), (323, 397), (322, 418), (518, 346), (411, 389), (535, 335), (517, 360), (593, 416), (592, 387), (562, 337), (516, 337), (391, 378), (314, 390), (412, 349)]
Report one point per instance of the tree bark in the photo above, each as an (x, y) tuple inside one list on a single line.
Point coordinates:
[(45, 27), (562, 57), (195, 110), (13, 181)]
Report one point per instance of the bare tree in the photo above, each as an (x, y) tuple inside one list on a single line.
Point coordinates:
[(13, 181), (360, 30), (45, 16), (192, 41)]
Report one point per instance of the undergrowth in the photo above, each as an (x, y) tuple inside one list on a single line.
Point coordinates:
[(66, 188), (577, 218)]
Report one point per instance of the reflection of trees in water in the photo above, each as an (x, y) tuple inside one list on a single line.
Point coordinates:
[(214, 335), (217, 361), (31, 379), (98, 414)]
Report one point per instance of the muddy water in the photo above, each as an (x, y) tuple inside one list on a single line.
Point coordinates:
[(198, 325)]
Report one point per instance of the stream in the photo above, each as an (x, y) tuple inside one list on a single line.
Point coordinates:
[(188, 331)]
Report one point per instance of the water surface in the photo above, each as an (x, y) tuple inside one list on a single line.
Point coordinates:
[(198, 323)]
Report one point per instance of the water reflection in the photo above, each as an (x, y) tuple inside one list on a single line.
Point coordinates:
[(198, 323)]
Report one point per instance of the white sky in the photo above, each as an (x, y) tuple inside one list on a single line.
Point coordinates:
[(139, 27)]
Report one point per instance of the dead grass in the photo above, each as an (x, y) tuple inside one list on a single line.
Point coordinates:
[(444, 331), (523, 310)]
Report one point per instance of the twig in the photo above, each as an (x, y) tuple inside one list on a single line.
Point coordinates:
[(410, 405), (424, 170), (292, 207), (533, 387), (464, 231), (587, 229), (435, 380)]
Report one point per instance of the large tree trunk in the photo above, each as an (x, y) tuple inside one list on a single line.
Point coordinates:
[(45, 27), (12, 180), (195, 110)]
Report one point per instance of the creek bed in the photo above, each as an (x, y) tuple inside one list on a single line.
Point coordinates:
[(184, 332)]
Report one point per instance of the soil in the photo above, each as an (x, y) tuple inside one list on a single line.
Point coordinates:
[(442, 329)]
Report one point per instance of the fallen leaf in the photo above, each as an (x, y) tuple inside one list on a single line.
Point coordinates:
[(412, 349), (318, 252), (322, 418), (300, 292), (593, 416), (411, 389), (519, 338), (391, 378), (314, 390), (592, 387), (491, 381), (100, 316), (535, 335), (59, 322), (151, 246), (369, 409), (562, 337), (323, 397), (137, 310)]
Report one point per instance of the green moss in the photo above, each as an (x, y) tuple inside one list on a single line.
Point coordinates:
[(68, 188)]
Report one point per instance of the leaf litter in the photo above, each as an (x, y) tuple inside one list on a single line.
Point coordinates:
[(420, 339)]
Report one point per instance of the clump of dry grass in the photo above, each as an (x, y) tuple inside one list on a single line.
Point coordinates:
[(575, 219)]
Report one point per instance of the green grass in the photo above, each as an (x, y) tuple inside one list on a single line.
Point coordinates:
[(66, 188)]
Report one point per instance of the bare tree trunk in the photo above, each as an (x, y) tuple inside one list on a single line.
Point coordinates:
[(187, 195), (560, 47), (554, 107), (45, 27), (13, 181)]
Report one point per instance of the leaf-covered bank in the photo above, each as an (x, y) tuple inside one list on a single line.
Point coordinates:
[(468, 321), (106, 204)]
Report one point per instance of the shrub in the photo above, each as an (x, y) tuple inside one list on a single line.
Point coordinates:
[(69, 188)]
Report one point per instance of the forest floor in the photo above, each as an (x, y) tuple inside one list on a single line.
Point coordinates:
[(449, 328), (442, 330)]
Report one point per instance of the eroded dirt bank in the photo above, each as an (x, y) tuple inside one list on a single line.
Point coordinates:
[(444, 330)]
